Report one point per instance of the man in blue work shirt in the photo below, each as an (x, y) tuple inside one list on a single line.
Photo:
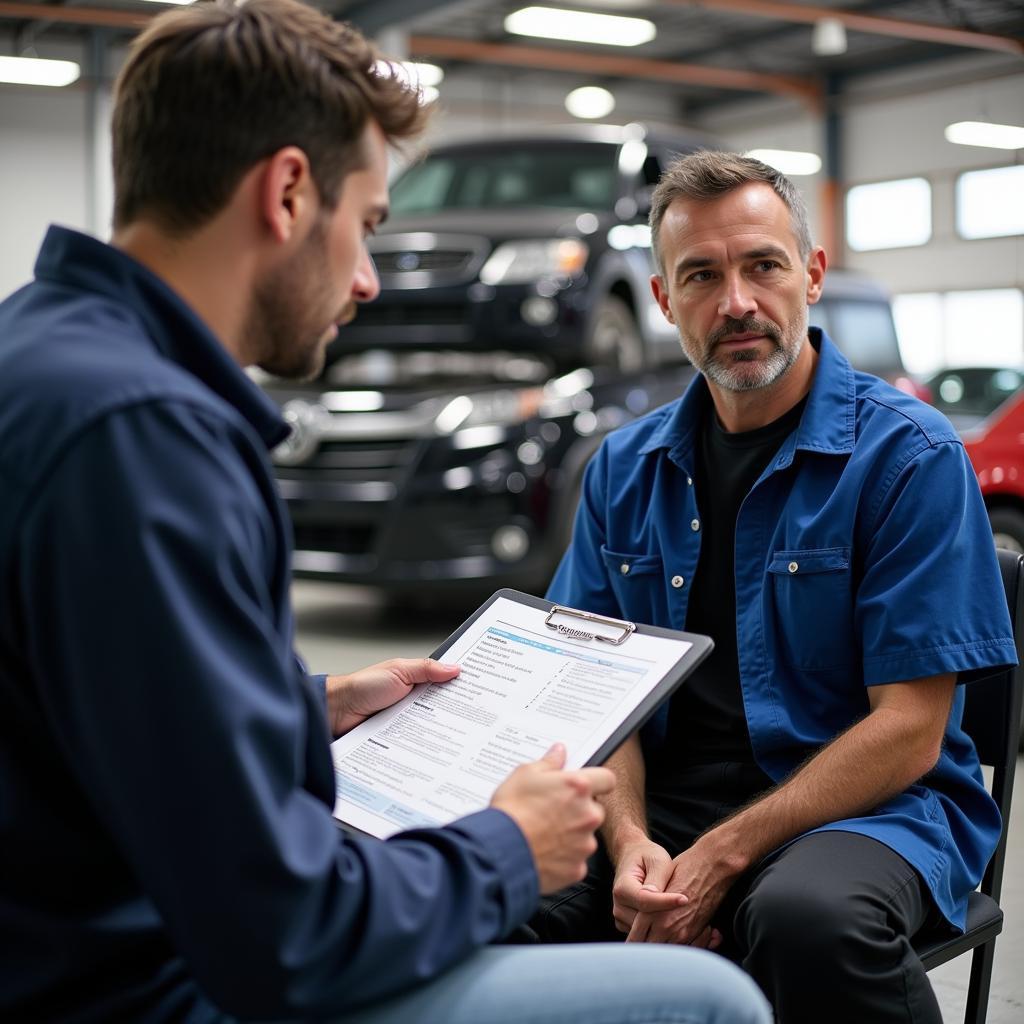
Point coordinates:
[(167, 851), (807, 801)]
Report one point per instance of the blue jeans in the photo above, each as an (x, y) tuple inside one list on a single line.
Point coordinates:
[(601, 983)]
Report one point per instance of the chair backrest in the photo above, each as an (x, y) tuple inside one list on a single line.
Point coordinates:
[(992, 717)]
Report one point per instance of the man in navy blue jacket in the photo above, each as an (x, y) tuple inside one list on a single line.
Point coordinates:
[(167, 850)]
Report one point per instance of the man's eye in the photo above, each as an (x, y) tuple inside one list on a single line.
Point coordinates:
[(765, 265), (700, 276)]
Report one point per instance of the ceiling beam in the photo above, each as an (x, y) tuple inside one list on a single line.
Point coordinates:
[(74, 15), (370, 16), (804, 89), (870, 23)]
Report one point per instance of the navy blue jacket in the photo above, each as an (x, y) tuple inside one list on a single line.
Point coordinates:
[(166, 842)]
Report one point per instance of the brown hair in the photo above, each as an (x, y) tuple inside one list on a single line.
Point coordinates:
[(210, 90), (708, 174)]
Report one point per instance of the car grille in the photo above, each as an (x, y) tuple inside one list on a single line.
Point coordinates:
[(432, 260), (354, 461), (349, 540), (384, 314)]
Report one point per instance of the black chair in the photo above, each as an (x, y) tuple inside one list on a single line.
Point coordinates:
[(992, 719)]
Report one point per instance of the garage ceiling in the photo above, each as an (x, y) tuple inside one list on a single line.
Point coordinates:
[(708, 51)]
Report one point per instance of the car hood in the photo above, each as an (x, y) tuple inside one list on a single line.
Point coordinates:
[(528, 222)]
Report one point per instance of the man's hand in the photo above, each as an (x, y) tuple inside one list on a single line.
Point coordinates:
[(558, 813), (353, 698), (641, 878), (703, 881)]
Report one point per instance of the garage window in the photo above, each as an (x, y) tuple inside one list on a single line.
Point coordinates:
[(962, 328), (990, 204), (889, 214)]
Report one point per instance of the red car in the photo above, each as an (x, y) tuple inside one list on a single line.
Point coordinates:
[(986, 405)]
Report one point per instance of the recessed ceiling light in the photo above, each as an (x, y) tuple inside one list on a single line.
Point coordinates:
[(580, 26), (590, 101), (788, 161), (38, 71), (983, 133), (828, 38)]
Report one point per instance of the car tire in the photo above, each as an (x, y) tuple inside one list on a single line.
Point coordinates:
[(1007, 528), (614, 339)]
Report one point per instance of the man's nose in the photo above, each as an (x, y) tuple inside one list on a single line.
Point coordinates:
[(737, 298), (366, 284)]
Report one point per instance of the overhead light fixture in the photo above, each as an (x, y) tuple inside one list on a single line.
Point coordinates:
[(829, 37), (180, 3), (580, 26), (590, 101), (38, 71), (788, 161), (983, 133)]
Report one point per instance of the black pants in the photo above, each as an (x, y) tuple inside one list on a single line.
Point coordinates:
[(824, 927)]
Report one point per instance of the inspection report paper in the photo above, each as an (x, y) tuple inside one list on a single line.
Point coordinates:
[(442, 751)]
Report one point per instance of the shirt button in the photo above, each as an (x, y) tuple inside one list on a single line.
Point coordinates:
[(689, 481), (677, 581), (695, 525), (624, 568), (793, 566)]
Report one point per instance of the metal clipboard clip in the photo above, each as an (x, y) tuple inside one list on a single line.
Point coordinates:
[(628, 628)]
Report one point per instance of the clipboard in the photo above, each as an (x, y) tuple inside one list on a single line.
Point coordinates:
[(700, 647), (533, 672)]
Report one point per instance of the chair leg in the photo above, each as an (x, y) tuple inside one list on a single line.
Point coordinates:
[(981, 981)]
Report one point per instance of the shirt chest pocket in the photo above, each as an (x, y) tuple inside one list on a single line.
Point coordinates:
[(812, 601), (638, 582)]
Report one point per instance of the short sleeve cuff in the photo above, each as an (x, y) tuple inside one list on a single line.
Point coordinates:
[(972, 661)]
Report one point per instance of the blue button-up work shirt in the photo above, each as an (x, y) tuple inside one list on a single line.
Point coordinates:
[(166, 843), (863, 557)]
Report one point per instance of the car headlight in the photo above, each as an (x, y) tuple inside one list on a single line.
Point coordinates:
[(503, 408), (522, 262)]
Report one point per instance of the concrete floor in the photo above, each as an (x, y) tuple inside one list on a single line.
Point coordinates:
[(341, 628)]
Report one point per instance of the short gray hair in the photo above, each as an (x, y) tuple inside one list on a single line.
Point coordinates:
[(709, 174)]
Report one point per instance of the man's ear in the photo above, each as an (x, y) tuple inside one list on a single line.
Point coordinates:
[(287, 194), (660, 291), (817, 263)]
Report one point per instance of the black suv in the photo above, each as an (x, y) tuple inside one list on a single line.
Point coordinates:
[(532, 245), (446, 439)]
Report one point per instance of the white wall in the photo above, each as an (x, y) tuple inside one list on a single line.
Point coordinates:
[(892, 128)]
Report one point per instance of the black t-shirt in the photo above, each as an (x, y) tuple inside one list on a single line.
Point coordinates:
[(707, 724)]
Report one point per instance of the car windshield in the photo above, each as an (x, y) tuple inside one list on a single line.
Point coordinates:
[(558, 175), (974, 391), (864, 331)]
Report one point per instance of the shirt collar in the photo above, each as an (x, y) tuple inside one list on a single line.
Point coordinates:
[(76, 260), (827, 424)]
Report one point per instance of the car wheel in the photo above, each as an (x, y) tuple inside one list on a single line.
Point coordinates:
[(614, 337), (1007, 528)]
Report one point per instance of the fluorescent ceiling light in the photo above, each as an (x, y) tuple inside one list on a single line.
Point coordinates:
[(590, 101), (982, 133), (580, 26), (179, 2), (37, 71), (788, 161)]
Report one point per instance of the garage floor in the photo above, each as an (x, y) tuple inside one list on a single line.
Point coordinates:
[(343, 628)]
